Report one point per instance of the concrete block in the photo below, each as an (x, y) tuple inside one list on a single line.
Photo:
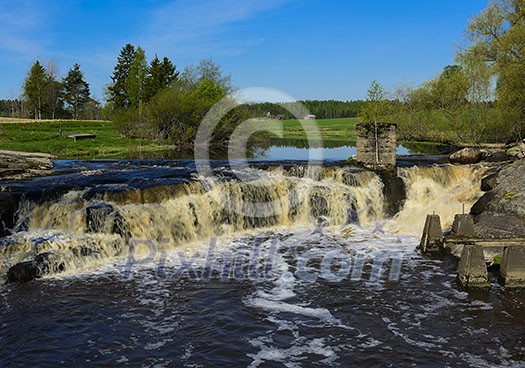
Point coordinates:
[(376, 145), (512, 271), (472, 269), (463, 226), (432, 238)]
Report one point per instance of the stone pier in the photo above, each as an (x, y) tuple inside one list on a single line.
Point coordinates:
[(376, 145), (472, 269), (512, 271), (432, 239), (463, 226)]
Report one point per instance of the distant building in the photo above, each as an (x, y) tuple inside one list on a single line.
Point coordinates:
[(279, 117), (309, 117)]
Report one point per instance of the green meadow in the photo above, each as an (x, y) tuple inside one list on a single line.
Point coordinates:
[(339, 130), (45, 137)]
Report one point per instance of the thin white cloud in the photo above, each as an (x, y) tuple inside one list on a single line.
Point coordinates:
[(187, 25)]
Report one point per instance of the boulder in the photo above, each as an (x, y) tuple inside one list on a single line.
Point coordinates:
[(517, 151), (3, 230), (489, 182), (469, 156), (96, 217), (501, 211), (482, 204), (42, 264), (24, 165)]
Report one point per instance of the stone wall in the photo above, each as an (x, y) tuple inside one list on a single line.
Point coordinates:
[(376, 153)]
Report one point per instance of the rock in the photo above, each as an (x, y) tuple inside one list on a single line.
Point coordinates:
[(22, 272), (96, 217), (489, 182), (501, 211), (517, 151), (43, 264), (482, 204), (394, 190), (9, 206), (24, 165), (469, 156), (3, 230)]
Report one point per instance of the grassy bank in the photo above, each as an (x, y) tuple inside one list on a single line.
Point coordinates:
[(45, 137), (332, 130)]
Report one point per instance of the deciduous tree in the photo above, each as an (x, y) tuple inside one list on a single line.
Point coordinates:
[(497, 37)]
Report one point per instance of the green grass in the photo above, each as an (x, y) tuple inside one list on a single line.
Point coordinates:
[(332, 130), (45, 137)]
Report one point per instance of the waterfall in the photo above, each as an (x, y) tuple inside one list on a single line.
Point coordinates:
[(80, 230), (444, 190)]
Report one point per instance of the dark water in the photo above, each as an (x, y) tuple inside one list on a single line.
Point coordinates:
[(279, 318), (340, 296)]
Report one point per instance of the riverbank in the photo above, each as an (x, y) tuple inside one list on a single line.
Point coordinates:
[(50, 137), (24, 165)]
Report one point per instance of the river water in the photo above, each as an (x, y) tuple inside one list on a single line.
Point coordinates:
[(293, 267)]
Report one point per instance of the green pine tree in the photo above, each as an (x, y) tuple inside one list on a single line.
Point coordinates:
[(35, 89), (76, 90), (136, 79), (118, 92)]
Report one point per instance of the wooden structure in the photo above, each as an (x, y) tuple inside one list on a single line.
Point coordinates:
[(76, 137)]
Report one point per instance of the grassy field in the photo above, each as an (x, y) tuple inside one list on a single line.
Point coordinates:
[(45, 137), (336, 130)]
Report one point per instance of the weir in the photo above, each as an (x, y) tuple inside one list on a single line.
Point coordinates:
[(81, 229), (475, 253)]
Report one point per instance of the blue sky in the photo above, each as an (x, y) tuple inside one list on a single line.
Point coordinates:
[(310, 49)]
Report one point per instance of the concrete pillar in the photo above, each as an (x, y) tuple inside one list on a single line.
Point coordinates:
[(512, 270), (432, 239), (463, 226), (376, 145), (472, 269)]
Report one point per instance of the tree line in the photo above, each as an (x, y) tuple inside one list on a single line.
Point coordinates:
[(45, 96), (155, 101), (322, 109)]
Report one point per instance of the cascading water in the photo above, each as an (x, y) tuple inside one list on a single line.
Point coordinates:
[(444, 190), (81, 232), (293, 266)]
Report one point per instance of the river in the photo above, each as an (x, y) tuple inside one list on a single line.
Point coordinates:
[(280, 264)]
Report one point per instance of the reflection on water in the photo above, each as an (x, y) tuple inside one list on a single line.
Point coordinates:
[(295, 149), (300, 149)]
